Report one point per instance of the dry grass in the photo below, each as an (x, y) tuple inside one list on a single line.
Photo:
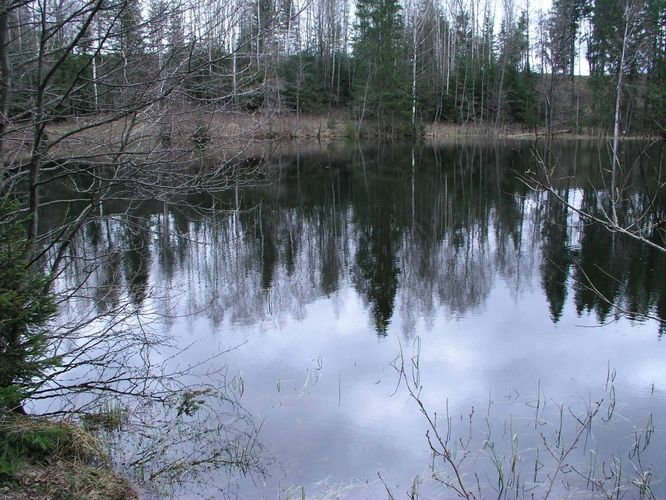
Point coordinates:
[(177, 131), (64, 479), (44, 459)]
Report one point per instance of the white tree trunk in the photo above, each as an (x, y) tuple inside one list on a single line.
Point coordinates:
[(616, 126)]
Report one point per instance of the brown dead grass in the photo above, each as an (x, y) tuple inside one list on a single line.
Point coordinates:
[(228, 133), (67, 480), (72, 466)]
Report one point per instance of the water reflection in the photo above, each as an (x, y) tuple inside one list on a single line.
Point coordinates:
[(341, 245), (436, 235), (556, 255)]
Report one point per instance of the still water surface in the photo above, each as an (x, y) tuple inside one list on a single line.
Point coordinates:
[(342, 258)]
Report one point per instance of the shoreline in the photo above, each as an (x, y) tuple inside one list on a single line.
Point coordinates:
[(183, 130)]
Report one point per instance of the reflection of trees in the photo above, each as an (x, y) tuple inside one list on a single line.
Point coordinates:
[(137, 259), (615, 273), (376, 273), (556, 258), (267, 250), (464, 271), (594, 266), (467, 231), (414, 239), (108, 289)]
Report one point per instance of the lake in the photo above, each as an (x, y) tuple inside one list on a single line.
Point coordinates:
[(344, 276)]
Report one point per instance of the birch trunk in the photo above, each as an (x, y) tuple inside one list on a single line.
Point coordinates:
[(616, 126)]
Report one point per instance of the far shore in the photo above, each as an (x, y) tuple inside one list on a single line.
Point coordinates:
[(233, 132)]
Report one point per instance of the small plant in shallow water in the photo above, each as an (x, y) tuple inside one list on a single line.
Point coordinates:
[(111, 417), (552, 465), (191, 402)]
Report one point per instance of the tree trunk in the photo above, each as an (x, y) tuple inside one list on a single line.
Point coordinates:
[(5, 81), (616, 126)]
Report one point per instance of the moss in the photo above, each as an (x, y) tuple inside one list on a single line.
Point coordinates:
[(41, 458)]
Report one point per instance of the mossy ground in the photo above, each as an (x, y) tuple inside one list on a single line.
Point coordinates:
[(45, 459)]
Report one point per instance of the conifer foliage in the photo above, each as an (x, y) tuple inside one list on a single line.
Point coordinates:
[(26, 307), (381, 77)]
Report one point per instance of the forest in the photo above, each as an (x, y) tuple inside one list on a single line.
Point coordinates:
[(398, 65)]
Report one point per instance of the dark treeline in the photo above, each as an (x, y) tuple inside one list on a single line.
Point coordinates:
[(397, 65), (410, 230)]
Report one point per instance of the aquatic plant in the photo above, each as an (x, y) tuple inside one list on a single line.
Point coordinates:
[(476, 463)]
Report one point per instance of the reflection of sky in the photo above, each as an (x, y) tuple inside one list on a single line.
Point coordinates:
[(342, 423), (318, 375)]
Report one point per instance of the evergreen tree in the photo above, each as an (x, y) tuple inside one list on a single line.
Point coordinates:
[(25, 310), (656, 65), (521, 91), (566, 18), (131, 29), (381, 76)]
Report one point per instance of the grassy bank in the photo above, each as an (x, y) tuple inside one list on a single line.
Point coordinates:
[(45, 459), (183, 132)]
